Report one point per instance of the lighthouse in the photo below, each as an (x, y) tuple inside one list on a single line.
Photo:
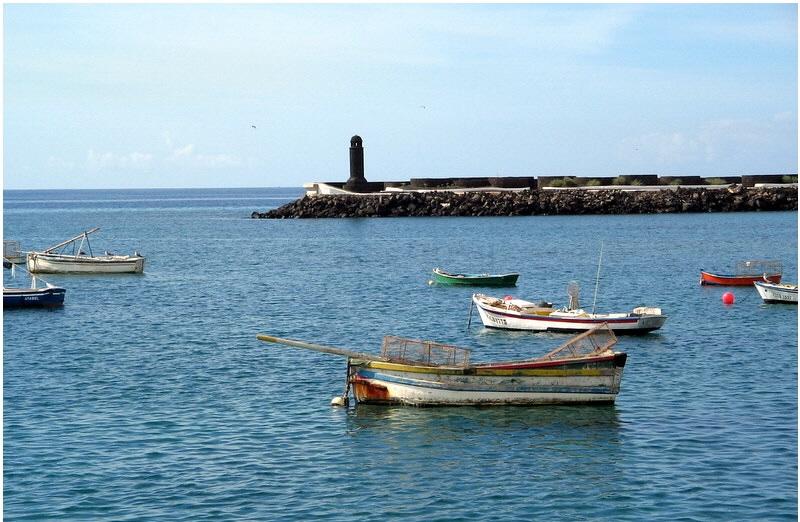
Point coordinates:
[(357, 182)]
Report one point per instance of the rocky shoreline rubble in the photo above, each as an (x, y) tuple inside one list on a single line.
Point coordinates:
[(734, 198)]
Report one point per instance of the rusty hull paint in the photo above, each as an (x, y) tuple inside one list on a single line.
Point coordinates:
[(367, 391)]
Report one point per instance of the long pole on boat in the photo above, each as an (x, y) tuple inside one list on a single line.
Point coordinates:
[(469, 319), (79, 236), (597, 279), (320, 348)]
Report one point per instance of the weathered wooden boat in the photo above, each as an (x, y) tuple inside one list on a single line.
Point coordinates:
[(745, 274), (424, 373), (53, 261), (777, 292), (33, 296), (518, 314), (447, 278)]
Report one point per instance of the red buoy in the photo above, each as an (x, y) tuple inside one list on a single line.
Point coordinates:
[(728, 298)]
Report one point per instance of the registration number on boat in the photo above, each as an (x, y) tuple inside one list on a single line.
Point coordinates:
[(497, 320)]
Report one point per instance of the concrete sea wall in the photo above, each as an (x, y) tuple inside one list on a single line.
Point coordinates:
[(540, 202)]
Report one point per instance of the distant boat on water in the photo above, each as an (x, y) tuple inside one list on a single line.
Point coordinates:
[(518, 314), (12, 252), (584, 369), (509, 313), (745, 274), (53, 261), (447, 278)]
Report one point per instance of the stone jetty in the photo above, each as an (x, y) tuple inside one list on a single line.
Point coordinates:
[(533, 202)]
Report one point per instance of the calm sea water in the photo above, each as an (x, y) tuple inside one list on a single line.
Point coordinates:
[(149, 397)]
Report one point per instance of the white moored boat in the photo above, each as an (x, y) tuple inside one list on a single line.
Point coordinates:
[(518, 314), (52, 262), (777, 292)]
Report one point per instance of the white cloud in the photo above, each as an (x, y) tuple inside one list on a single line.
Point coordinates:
[(186, 156), (217, 160), (104, 160), (183, 152), (725, 141)]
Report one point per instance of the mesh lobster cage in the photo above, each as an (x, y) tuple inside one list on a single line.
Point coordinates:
[(757, 267), (423, 353), (597, 340)]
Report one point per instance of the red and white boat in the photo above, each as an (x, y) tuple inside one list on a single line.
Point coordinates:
[(745, 274), (518, 314)]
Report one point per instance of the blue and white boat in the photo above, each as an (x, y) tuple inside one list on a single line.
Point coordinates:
[(34, 296)]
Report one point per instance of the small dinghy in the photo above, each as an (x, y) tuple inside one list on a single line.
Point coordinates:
[(584, 369), (447, 278), (56, 260), (745, 274), (777, 292)]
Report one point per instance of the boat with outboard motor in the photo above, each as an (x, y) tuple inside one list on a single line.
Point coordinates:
[(518, 314)]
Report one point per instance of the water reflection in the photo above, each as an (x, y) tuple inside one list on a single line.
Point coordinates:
[(458, 423), (486, 445)]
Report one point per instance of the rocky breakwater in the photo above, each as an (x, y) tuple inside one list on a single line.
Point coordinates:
[(540, 202)]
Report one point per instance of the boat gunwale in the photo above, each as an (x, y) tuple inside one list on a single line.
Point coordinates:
[(500, 366), (23, 291), (741, 276), (534, 317), (783, 287), (462, 276), (67, 258)]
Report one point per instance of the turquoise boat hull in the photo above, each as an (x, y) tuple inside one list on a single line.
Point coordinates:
[(446, 278)]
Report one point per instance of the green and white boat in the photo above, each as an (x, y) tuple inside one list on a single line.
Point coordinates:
[(446, 278)]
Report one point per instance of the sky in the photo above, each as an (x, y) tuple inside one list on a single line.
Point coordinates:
[(268, 95)]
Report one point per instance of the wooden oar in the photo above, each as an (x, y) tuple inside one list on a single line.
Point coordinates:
[(320, 348)]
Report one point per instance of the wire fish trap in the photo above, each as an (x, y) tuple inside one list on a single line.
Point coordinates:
[(423, 353), (757, 267), (593, 342)]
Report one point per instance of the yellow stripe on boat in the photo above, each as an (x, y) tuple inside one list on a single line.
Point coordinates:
[(588, 372)]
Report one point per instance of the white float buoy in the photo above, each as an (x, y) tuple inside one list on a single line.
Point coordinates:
[(339, 401)]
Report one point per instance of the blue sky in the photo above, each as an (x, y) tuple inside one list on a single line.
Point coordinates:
[(138, 96)]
